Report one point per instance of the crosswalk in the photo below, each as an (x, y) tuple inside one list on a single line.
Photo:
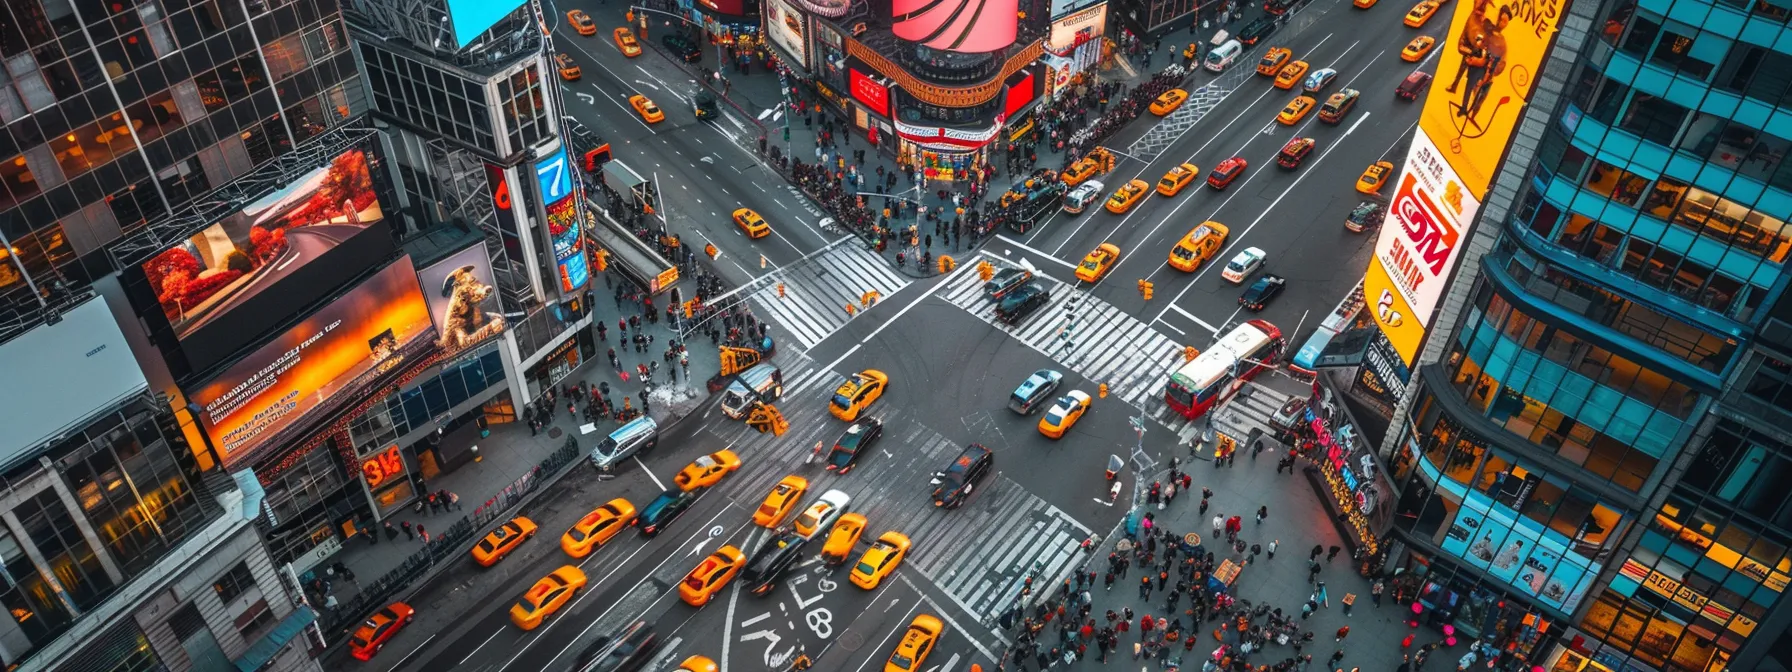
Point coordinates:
[(1106, 344), (979, 554), (818, 288)]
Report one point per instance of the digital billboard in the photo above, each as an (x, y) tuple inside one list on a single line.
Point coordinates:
[(62, 373), (473, 17), (256, 268), (1520, 552), (363, 331), (964, 26), (785, 25), (1485, 75), (462, 301), (554, 176), (873, 93)]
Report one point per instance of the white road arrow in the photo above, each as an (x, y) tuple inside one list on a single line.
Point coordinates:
[(647, 84), (588, 98)]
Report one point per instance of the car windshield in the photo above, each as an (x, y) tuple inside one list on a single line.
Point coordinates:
[(1183, 253), (606, 448), (864, 568), (1235, 265), (659, 504), (1058, 412), (357, 641), (1092, 263), (840, 401), (900, 660)]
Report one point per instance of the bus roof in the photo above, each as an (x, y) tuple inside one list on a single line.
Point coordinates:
[(1219, 359)]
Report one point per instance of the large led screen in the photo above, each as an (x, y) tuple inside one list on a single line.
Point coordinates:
[(964, 26), (785, 25), (462, 300), (58, 375), (473, 17), (256, 268), (360, 332)]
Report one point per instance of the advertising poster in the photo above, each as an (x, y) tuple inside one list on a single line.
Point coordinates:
[(554, 176), (873, 93), (462, 301), (963, 26), (473, 17), (362, 331), (1071, 30), (275, 238), (1529, 557), (785, 25), (1426, 230), (74, 366), (1486, 70)]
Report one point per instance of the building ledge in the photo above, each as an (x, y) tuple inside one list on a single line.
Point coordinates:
[(270, 645)]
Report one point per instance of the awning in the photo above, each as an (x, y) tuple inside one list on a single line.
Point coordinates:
[(269, 646)]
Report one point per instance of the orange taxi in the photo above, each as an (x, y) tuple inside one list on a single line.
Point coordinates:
[(1273, 61), (1296, 110), (1168, 102), (569, 69), (1178, 177), (911, 652), (598, 527), (1126, 196), (711, 575), (880, 560), (843, 538), (781, 501), (1292, 74), (1375, 177), (581, 22), (546, 597), (751, 223), (644, 107), (625, 40), (1421, 13), (1417, 48), (500, 542), (379, 628), (1364, 4), (707, 470)]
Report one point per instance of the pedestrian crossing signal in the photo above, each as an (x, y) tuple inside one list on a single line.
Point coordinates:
[(766, 418), (947, 264), (986, 270), (1189, 353), (1145, 287)]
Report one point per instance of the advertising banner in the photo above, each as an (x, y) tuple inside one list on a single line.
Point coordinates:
[(963, 26), (785, 26), (1425, 231), (1520, 552), (254, 269), (1486, 71), (1019, 93), (1072, 30), (554, 176), (362, 331), (462, 302), (1061, 8), (1381, 380), (74, 368), (874, 94), (473, 17)]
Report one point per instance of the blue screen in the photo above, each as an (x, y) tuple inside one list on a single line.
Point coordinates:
[(473, 17)]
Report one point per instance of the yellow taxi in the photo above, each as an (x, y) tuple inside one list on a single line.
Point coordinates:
[(644, 107), (1420, 14), (1062, 415), (1097, 263), (711, 575), (1375, 177), (1291, 74), (697, 664), (378, 629), (781, 501), (707, 470), (569, 69), (581, 22), (1096, 163), (1168, 102), (1178, 177), (1364, 4), (625, 40), (919, 641), (1126, 196), (1201, 243), (851, 398), (546, 597), (1417, 48), (751, 223), (1273, 61), (880, 560), (1296, 110), (842, 538), (503, 540), (598, 527)]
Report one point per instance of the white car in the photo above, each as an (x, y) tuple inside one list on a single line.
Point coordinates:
[(1242, 266), (821, 515), (1084, 195)]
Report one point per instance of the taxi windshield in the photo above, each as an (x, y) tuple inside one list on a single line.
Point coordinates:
[(1182, 252), (1092, 264), (840, 401)]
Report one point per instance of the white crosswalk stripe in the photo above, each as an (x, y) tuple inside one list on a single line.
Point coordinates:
[(1105, 344), (978, 554), (818, 289)]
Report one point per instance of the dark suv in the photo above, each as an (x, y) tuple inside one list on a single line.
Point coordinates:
[(1017, 304), (1256, 30), (1005, 281), (953, 486), (682, 47)]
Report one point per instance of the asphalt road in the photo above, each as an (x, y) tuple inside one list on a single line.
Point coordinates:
[(952, 372)]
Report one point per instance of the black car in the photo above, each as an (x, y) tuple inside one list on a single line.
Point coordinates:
[(1367, 215), (664, 509), (1256, 30), (682, 48), (1278, 7), (953, 486), (858, 438), (627, 650), (1261, 292), (768, 563), (1005, 281), (1021, 302)]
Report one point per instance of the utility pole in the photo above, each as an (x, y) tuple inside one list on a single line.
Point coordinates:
[(1141, 463)]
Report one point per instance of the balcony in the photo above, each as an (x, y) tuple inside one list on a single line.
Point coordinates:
[(958, 89)]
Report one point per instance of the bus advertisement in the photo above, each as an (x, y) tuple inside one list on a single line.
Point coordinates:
[(1215, 374)]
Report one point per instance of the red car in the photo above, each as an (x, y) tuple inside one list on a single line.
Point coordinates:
[(1413, 85), (379, 628), (1228, 171)]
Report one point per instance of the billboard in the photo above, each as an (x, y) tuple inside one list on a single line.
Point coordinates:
[(462, 303), (256, 268), (1425, 232), (554, 176), (362, 331), (1060, 8), (1071, 30), (60, 374), (785, 25), (1021, 90), (1517, 550), (963, 26), (473, 17), (874, 94)]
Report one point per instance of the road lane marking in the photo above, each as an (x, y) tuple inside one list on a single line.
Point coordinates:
[(1048, 257), (946, 615), (476, 649), (1189, 315), (880, 328), (848, 353), (902, 626), (432, 637), (643, 465)]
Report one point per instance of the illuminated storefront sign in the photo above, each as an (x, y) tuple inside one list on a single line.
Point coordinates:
[(554, 175), (382, 467), (873, 93)]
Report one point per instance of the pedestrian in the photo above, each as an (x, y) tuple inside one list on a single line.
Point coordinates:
[(1317, 549), (408, 535), (1342, 633), (1336, 656), (1332, 553), (423, 533), (1162, 577), (391, 532), (1203, 506), (1145, 587), (1375, 593), (1262, 512), (1219, 524), (1272, 549)]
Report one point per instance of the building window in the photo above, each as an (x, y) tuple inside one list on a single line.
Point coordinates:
[(234, 583), (74, 562), (1653, 118), (253, 627), (24, 593)]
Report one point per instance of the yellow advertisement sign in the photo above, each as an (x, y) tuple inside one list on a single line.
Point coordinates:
[(1419, 243), (1486, 70)]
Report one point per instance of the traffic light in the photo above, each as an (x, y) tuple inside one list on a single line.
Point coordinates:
[(1145, 289), (766, 418), (947, 264), (1189, 352), (601, 260), (986, 270)]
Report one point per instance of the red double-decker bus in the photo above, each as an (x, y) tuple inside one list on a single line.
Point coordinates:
[(1215, 374)]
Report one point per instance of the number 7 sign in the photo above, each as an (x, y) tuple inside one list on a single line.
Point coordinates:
[(551, 173)]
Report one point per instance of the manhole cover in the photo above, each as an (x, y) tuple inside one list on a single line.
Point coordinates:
[(851, 641), (554, 433)]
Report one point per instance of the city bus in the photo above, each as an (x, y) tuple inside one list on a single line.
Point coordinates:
[(1215, 374)]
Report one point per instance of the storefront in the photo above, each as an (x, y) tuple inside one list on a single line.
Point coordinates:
[(1437, 593), (416, 432), (560, 362), (1346, 474)]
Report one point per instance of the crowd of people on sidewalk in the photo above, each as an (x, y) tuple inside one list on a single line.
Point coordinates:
[(1133, 103)]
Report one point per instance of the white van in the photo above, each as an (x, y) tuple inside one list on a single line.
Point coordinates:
[(1222, 57)]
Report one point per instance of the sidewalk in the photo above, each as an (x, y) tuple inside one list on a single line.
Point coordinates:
[(1298, 521)]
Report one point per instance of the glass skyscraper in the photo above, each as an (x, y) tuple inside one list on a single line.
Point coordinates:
[(1591, 460)]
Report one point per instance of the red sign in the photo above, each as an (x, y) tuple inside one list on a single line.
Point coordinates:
[(868, 91), (382, 468), (1018, 95), (1431, 233)]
